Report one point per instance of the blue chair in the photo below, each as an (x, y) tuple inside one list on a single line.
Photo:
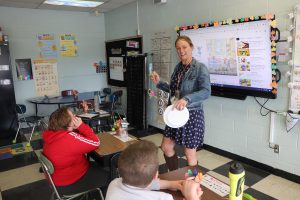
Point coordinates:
[(106, 92)]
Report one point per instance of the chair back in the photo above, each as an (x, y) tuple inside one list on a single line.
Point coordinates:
[(116, 96), (114, 171), (107, 91), (48, 170), (20, 108)]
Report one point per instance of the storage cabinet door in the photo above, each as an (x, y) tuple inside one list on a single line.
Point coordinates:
[(8, 115)]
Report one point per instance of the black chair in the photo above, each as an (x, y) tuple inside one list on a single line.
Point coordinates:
[(30, 121), (48, 170), (114, 172), (106, 92), (116, 103)]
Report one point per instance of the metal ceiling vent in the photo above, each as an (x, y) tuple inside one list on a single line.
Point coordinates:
[(159, 1)]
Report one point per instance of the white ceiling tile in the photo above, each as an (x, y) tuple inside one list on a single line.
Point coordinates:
[(67, 8), (107, 6), (123, 1)]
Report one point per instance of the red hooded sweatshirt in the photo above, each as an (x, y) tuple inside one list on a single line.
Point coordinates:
[(66, 150)]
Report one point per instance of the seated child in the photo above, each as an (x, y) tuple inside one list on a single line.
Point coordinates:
[(66, 142), (138, 167)]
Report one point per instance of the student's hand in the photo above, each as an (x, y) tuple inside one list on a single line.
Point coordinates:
[(154, 77), (77, 121), (180, 104), (191, 190)]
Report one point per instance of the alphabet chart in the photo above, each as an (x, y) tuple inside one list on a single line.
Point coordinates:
[(45, 76)]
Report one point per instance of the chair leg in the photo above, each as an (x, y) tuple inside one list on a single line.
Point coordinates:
[(15, 140), (32, 131), (52, 197), (44, 124), (101, 195)]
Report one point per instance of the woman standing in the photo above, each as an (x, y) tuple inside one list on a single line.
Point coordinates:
[(189, 87)]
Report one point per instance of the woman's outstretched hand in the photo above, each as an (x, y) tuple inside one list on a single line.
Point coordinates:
[(154, 77)]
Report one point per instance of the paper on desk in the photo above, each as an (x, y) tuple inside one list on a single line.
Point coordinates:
[(215, 185), (87, 115), (123, 139)]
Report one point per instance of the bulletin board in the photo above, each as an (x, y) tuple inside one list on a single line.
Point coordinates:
[(116, 52)]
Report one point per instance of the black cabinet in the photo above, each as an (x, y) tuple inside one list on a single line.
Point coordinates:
[(8, 122), (136, 96)]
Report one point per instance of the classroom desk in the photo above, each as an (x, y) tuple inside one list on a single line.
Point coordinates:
[(110, 145), (179, 175), (60, 100)]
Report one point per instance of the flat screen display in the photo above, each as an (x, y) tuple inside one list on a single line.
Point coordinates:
[(238, 57)]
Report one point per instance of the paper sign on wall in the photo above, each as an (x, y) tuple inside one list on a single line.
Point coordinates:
[(116, 68), (47, 46), (68, 45)]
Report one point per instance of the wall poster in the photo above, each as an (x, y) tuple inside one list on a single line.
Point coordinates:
[(68, 45), (47, 46), (116, 68), (24, 70), (46, 77)]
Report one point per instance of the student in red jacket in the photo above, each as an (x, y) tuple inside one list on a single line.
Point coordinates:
[(66, 143)]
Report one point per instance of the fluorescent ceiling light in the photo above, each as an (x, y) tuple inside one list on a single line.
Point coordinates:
[(77, 3)]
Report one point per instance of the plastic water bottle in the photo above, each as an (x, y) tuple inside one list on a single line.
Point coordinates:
[(124, 125), (237, 179)]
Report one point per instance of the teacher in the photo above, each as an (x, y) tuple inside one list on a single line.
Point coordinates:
[(189, 87)]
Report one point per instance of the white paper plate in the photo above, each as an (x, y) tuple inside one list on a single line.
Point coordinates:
[(176, 118)]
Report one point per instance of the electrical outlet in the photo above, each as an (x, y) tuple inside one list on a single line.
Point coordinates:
[(276, 148)]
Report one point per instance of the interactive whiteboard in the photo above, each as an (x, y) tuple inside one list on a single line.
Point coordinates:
[(237, 55)]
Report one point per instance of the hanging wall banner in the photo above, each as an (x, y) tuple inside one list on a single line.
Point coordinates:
[(68, 45), (46, 78)]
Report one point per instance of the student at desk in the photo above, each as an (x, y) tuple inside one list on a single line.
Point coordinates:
[(66, 142), (138, 167)]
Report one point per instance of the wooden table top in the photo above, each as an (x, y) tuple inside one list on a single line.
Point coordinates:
[(109, 144), (179, 175)]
